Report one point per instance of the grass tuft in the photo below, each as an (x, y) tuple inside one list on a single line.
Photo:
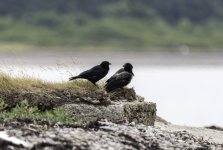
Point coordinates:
[(8, 83)]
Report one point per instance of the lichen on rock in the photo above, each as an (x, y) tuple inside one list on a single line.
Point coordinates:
[(140, 112)]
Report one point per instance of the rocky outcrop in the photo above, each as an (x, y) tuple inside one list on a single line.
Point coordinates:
[(139, 112), (119, 120), (104, 135), (86, 106), (120, 106)]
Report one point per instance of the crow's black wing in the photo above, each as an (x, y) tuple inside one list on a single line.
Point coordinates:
[(90, 72), (116, 74), (94, 74), (86, 74), (120, 80), (120, 70)]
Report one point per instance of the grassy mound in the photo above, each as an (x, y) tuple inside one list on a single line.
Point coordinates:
[(45, 95)]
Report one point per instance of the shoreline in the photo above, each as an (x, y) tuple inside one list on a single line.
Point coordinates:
[(141, 58), (211, 135)]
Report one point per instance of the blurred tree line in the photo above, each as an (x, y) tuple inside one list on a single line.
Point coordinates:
[(170, 10), (137, 23)]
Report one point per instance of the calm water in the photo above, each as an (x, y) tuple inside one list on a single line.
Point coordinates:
[(186, 95)]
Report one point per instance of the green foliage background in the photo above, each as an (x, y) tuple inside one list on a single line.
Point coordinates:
[(113, 23)]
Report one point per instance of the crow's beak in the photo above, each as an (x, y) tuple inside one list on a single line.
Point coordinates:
[(133, 74), (109, 63)]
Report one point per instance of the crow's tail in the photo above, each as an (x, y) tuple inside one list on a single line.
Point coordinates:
[(73, 78)]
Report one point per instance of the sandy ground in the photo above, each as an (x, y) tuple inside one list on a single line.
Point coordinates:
[(207, 134)]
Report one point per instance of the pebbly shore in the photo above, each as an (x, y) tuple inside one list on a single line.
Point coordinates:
[(100, 136)]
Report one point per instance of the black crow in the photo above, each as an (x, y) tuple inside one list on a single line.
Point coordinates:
[(94, 74), (121, 78)]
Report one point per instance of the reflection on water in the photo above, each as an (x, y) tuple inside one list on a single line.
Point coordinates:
[(184, 95)]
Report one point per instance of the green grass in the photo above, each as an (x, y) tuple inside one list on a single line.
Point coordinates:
[(23, 111)]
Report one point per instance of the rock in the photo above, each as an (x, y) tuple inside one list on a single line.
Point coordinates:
[(161, 120), (106, 135), (139, 112), (215, 128), (5, 139)]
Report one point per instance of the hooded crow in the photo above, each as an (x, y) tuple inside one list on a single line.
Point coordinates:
[(121, 78), (94, 74)]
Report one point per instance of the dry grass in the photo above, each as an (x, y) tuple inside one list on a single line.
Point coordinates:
[(46, 95), (8, 83)]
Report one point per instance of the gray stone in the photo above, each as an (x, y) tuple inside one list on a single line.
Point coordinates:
[(139, 112), (106, 135)]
